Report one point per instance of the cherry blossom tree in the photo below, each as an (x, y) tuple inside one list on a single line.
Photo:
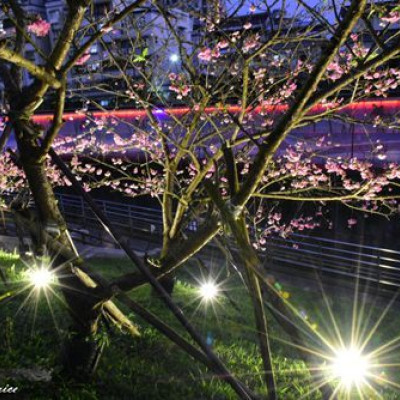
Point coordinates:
[(23, 100), (216, 141)]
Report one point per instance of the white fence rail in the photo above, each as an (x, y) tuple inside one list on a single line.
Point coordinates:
[(298, 253)]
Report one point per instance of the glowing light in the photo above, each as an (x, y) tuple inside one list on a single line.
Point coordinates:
[(40, 278), (208, 290), (351, 367), (174, 58), (364, 106)]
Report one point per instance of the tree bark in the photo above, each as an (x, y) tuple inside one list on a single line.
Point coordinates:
[(249, 260), (81, 350), (280, 311), (259, 286)]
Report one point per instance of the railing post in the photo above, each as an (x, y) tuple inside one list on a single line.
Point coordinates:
[(60, 199), (130, 219), (82, 205), (320, 257), (3, 220), (378, 262)]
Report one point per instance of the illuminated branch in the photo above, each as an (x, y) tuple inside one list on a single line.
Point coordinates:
[(347, 79), (105, 28), (57, 121), (299, 107), (41, 73), (250, 261)]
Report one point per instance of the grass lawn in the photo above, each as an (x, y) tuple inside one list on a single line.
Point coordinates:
[(151, 367)]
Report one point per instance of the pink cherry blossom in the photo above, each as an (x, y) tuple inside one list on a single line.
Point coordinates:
[(180, 90), (260, 73), (119, 141), (223, 44), (215, 53), (335, 71), (82, 60), (205, 54), (106, 29), (185, 90), (392, 17), (40, 28), (251, 43), (351, 222)]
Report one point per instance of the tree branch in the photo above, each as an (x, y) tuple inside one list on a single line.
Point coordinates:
[(353, 75), (298, 109), (39, 72), (105, 28), (5, 135), (57, 121)]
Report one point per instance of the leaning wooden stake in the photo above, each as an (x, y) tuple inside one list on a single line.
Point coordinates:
[(148, 316), (219, 367), (248, 259)]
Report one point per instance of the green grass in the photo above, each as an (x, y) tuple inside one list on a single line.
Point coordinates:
[(151, 367)]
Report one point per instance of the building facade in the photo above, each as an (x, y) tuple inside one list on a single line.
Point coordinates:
[(142, 46)]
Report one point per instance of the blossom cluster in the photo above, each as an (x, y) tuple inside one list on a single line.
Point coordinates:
[(179, 85), (40, 27)]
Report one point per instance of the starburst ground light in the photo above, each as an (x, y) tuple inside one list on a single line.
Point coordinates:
[(348, 351), (345, 351), (41, 278), (208, 291), (35, 283)]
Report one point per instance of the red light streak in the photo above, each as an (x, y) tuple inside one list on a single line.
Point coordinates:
[(366, 106)]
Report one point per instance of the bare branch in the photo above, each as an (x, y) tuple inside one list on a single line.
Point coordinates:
[(39, 72), (57, 120), (295, 112), (5, 136), (105, 28)]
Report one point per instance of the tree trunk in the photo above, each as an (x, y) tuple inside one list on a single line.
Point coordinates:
[(81, 351), (257, 281), (167, 282), (249, 259), (282, 314)]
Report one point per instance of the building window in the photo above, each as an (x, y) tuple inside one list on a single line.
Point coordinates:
[(54, 17), (141, 22)]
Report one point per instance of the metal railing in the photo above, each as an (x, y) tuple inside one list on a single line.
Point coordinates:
[(367, 263), (331, 256), (371, 264), (124, 215)]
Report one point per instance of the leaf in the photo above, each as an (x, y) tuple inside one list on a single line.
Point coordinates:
[(5, 295), (142, 57)]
